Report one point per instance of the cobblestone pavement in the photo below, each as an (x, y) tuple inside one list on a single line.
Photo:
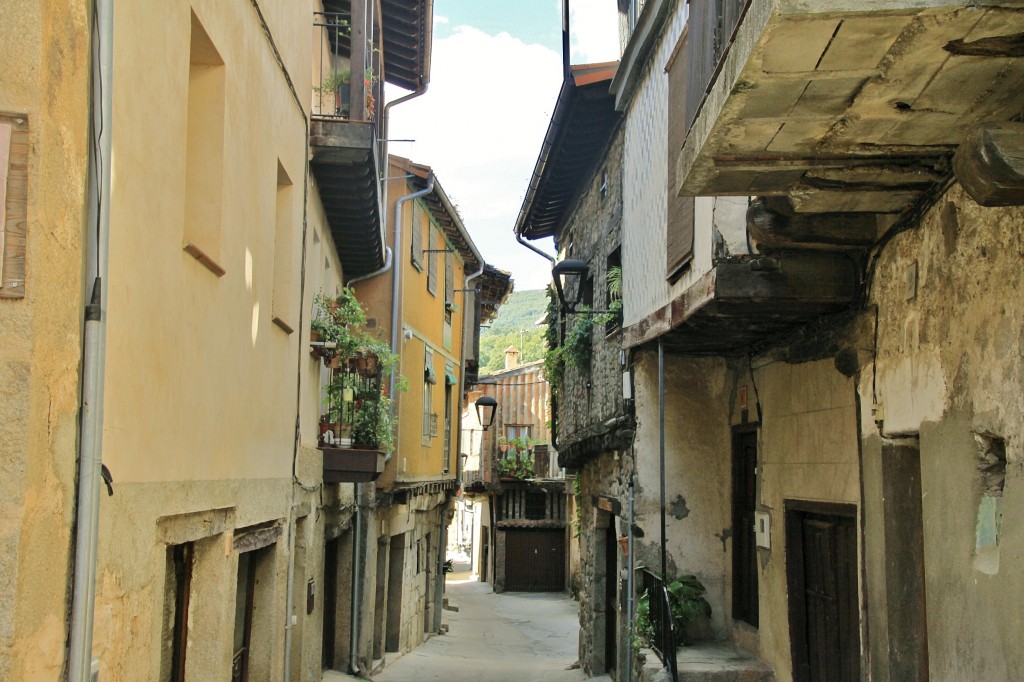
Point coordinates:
[(494, 638)]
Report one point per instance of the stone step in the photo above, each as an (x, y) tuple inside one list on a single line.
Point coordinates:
[(720, 662)]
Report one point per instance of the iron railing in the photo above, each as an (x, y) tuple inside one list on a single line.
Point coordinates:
[(336, 79), (712, 24), (662, 622)]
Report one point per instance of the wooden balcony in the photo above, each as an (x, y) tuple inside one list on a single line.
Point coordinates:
[(744, 301), (350, 465), (842, 105)]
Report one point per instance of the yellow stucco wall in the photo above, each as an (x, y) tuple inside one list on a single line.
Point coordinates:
[(422, 320), (44, 47), (202, 386)]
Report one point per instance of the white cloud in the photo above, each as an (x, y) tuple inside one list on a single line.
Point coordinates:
[(480, 126), (438, 19), (593, 31)]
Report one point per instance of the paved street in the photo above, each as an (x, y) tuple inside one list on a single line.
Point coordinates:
[(494, 638)]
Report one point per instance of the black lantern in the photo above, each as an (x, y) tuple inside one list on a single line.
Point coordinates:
[(569, 275), (485, 408)]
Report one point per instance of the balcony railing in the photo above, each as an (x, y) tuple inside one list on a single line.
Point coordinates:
[(662, 621), (347, 82), (712, 24)]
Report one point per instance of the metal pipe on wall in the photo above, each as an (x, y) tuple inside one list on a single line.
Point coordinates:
[(90, 449)]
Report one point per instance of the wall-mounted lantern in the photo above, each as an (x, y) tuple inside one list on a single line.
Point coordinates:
[(569, 275), (485, 409)]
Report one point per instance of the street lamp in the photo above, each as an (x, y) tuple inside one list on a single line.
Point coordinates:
[(485, 408), (569, 275)]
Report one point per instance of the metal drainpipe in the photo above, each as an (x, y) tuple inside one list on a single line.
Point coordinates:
[(90, 447), (396, 278), (630, 584), (531, 247), (661, 454), (389, 261), (442, 553)]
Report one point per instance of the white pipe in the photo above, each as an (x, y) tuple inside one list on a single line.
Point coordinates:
[(396, 278), (94, 353)]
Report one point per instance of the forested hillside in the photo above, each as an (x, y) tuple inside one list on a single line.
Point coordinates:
[(516, 325)]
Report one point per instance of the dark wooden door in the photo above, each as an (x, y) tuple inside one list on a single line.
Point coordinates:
[(535, 560), (244, 598), (821, 563), (744, 551), (611, 570), (330, 602)]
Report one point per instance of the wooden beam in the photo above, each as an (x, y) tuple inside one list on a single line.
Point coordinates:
[(990, 164), (608, 504), (775, 225)]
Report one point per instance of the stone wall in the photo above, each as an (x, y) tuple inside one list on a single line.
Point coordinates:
[(592, 395), (950, 360)]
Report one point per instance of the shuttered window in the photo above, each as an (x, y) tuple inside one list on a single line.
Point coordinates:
[(13, 204), (416, 242), (449, 278), (679, 227), (431, 262)]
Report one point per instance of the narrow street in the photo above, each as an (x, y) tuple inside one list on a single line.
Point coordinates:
[(495, 638)]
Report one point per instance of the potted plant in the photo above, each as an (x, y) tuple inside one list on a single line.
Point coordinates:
[(503, 444), (333, 87), (373, 424), (337, 324)]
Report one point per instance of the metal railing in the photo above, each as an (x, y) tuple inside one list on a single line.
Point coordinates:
[(712, 24), (662, 621), (337, 81)]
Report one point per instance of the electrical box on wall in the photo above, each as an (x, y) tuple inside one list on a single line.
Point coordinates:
[(763, 529), (627, 385)]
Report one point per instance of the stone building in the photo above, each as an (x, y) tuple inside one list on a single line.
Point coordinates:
[(830, 354)]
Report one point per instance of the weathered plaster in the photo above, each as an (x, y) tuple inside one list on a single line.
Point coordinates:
[(44, 47)]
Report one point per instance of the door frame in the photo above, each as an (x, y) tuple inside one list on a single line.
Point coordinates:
[(797, 603)]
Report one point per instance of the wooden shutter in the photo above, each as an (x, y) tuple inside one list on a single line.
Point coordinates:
[(431, 263), (13, 204), (416, 243), (449, 277), (679, 227)]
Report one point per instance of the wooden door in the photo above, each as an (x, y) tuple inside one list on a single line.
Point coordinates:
[(821, 566), (535, 560), (611, 571), (744, 551)]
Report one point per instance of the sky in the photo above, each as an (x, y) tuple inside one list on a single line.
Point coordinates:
[(495, 74)]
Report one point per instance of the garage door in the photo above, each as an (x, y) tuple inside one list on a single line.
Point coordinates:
[(535, 560)]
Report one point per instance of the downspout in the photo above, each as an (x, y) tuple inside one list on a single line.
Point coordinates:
[(389, 262), (531, 247), (361, 504), (443, 577), (90, 448), (396, 278)]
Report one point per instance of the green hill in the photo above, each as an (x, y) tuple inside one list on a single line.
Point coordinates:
[(516, 325)]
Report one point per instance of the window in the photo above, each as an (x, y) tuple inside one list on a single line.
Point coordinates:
[(431, 262), (449, 278), (613, 288), (416, 242), (520, 431), (446, 458), (14, 147), (285, 237), (679, 225), (429, 379), (204, 153)]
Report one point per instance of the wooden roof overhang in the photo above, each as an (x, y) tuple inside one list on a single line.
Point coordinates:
[(746, 301), (580, 128), (495, 286), (345, 164), (443, 212), (407, 26)]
